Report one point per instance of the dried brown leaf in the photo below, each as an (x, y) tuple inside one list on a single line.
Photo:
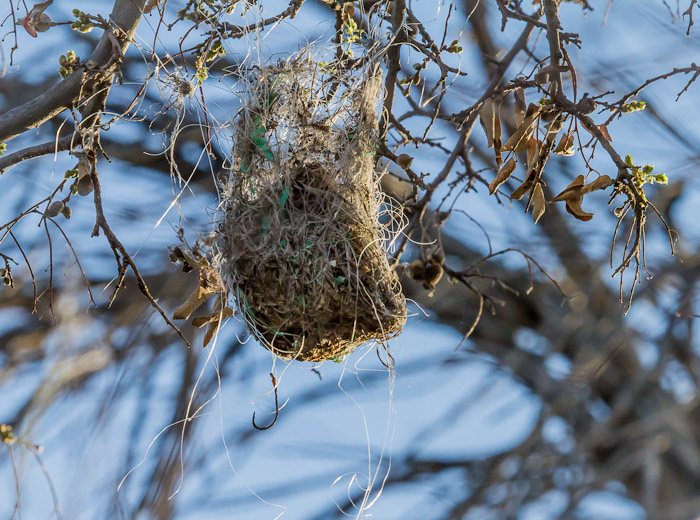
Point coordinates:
[(487, 118), (193, 302), (565, 146), (573, 206), (502, 176), (533, 152), (520, 192), (600, 183), (572, 191), (209, 283), (497, 138), (201, 321), (519, 140), (538, 203), (209, 334), (150, 5), (85, 185)]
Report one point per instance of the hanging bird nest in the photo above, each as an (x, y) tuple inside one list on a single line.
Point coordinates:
[(301, 246)]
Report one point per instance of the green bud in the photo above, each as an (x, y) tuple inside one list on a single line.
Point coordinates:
[(455, 48)]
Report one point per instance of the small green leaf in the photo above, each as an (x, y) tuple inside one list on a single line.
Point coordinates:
[(259, 141), (628, 160), (339, 279), (284, 196), (647, 169)]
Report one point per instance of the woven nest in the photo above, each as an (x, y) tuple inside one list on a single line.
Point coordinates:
[(301, 246)]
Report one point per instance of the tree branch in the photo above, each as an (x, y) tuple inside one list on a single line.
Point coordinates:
[(64, 143), (394, 64), (551, 13), (125, 16)]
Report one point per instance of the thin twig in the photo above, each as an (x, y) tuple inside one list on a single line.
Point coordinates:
[(277, 407)]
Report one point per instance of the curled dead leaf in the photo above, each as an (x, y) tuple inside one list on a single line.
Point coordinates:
[(565, 146), (209, 334), (84, 178), (520, 192), (573, 206), (209, 283), (502, 176), (85, 186), (572, 191), (573, 195), (519, 140), (538, 203), (150, 5), (533, 152), (554, 126), (487, 118), (201, 321), (191, 304), (602, 182)]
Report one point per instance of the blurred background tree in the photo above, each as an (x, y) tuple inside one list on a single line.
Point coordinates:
[(522, 387)]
